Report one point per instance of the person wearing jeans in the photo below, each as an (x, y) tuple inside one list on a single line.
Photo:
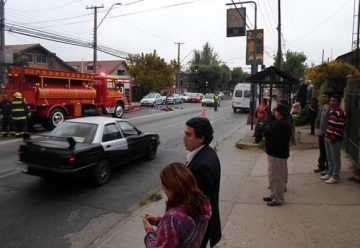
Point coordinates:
[(334, 134)]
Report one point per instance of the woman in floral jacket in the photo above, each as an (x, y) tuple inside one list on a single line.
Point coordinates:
[(187, 212)]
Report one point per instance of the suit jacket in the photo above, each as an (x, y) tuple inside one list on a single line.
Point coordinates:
[(206, 168)]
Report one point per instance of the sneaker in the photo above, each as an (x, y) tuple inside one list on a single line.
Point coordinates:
[(325, 177), (332, 181), (323, 173)]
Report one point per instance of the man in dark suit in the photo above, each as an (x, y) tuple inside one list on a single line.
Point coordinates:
[(205, 165)]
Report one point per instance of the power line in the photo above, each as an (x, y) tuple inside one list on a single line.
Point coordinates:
[(55, 7), (14, 28), (325, 21)]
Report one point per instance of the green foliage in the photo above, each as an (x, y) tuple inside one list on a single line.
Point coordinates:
[(302, 118), (331, 76), (206, 67), (151, 71), (20, 59), (293, 64), (238, 76)]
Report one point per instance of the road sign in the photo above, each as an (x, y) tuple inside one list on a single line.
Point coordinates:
[(236, 22)]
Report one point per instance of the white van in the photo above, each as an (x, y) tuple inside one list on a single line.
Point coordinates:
[(241, 97)]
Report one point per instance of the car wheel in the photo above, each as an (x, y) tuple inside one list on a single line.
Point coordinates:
[(119, 110), (56, 117), (152, 151), (234, 110), (101, 173), (174, 101)]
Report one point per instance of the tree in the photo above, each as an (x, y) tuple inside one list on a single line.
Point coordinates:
[(331, 76), (20, 59), (151, 72), (293, 64), (207, 72), (238, 76)]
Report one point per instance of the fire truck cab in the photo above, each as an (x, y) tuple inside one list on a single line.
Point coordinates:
[(53, 96)]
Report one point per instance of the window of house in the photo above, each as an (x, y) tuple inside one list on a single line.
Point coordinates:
[(30, 57), (41, 59), (89, 67), (121, 72)]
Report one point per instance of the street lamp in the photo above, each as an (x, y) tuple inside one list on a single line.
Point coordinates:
[(96, 26)]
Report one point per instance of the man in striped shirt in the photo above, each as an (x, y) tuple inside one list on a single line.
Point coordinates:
[(334, 135)]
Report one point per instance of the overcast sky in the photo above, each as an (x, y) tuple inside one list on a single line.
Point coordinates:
[(137, 26)]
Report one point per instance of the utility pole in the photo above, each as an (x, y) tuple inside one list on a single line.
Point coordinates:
[(2, 43), (357, 38), (178, 67), (279, 55), (95, 34)]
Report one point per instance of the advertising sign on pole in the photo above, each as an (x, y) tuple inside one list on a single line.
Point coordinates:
[(250, 47), (235, 22)]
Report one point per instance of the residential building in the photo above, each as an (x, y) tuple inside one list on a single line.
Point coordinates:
[(110, 67), (39, 57)]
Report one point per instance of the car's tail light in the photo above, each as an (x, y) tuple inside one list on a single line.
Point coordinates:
[(72, 159)]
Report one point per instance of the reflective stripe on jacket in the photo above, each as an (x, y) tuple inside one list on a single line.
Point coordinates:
[(19, 110)]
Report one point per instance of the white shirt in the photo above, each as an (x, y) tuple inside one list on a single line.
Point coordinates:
[(192, 154)]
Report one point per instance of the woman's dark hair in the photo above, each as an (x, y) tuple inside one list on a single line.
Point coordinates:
[(264, 100), (179, 180), (202, 128)]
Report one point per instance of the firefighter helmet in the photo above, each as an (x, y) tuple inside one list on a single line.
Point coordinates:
[(17, 95)]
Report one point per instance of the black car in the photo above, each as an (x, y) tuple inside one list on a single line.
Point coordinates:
[(91, 145)]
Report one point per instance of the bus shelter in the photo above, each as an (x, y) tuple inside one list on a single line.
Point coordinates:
[(271, 77)]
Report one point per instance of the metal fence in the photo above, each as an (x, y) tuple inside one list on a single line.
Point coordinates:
[(352, 128)]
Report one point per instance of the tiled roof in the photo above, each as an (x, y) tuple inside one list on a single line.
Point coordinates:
[(19, 48)]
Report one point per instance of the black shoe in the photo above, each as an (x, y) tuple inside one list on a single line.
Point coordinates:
[(273, 204), (267, 199), (318, 170)]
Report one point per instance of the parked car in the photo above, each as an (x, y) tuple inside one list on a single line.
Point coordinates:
[(185, 96), (195, 97), (174, 99), (208, 100), (88, 146), (152, 99)]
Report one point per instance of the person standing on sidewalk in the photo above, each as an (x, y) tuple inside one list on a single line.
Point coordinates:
[(312, 113), (188, 211), (333, 138), (205, 165), (6, 113), (277, 146), (322, 162)]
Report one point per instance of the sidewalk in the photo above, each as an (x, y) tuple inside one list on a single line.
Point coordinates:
[(315, 214)]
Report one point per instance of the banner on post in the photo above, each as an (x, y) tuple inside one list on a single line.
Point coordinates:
[(235, 25), (250, 47)]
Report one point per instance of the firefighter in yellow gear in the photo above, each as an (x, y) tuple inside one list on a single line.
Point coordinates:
[(20, 113), (216, 102), (6, 114)]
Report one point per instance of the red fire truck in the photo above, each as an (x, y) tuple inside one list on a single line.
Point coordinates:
[(53, 96)]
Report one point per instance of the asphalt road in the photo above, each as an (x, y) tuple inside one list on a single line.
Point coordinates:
[(36, 213)]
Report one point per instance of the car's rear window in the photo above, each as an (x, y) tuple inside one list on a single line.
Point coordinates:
[(81, 132)]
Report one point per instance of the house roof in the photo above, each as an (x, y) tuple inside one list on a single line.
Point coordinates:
[(268, 76), (106, 66), (23, 48)]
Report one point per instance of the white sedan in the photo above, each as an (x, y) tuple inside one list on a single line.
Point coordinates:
[(152, 99), (174, 99)]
